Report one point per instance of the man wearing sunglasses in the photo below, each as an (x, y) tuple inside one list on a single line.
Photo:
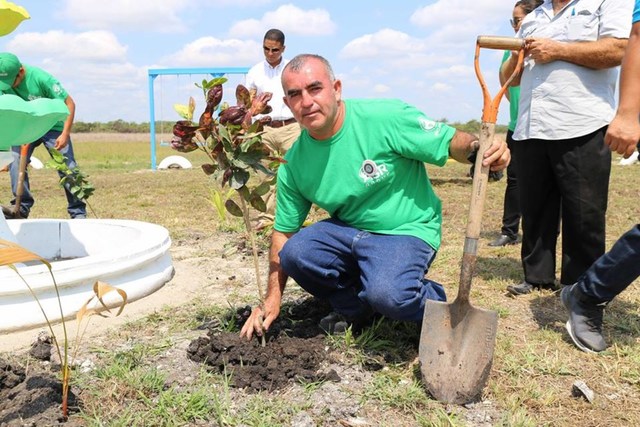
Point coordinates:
[(283, 129)]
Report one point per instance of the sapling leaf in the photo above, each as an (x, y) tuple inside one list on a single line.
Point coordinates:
[(238, 179), (244, 192), (12, 253), (209, 169), (233, 208), (247, 143), (262, 189), (183, 111), (250, 158), (261, 168), (257, 203)]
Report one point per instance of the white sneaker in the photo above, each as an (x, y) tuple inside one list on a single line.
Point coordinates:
[(631, 160)]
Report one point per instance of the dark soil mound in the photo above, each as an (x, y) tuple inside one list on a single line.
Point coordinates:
[(31, 398), (294, 350)]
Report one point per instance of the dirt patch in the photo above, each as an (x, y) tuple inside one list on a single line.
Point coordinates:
[(32, 397), (294, 350)]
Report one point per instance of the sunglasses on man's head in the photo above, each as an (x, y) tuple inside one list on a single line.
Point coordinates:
[(272, 50)]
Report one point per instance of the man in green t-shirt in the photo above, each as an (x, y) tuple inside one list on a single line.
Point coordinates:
[(31, 83), (363, 162)]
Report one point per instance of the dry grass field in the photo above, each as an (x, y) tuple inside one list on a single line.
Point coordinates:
[(535, 363)]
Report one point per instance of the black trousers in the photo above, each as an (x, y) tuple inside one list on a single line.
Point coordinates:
[(568, 179), (511, 210)]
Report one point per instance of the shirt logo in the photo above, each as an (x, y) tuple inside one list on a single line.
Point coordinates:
[(428, 125), (371, 173)]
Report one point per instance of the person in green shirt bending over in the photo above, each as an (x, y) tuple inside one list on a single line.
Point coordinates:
[(31, 83), (363, 162)]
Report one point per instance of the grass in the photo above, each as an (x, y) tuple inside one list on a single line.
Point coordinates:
[(534, 367)]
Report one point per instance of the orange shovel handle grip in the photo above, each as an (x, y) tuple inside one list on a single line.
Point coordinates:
[(490, 107)]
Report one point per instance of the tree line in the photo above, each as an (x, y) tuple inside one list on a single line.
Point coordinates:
[(121, 126)]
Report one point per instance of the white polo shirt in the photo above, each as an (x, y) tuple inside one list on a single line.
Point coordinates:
[(562, 100), (266, 78)]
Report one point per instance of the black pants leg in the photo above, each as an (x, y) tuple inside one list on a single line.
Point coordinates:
[(511, 211), (583, 167), (569, 177), (540, 207)]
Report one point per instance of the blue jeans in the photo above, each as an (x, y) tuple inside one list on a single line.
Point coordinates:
[(614, 271), (359, 272), (75, 206)]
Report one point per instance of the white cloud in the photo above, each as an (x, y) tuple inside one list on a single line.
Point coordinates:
[(138, 15), (455, 24), (213, 52), (382, 44), (380, 88), (441, 87), (452, 72), (288, 18), (461, 13), (95, 46)]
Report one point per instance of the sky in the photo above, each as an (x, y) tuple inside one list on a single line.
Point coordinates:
[(418, 51)]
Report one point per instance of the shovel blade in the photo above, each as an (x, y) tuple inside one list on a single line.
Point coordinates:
[(456, 350)]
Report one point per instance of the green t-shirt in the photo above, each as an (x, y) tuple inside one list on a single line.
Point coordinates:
[(514, 99), (36, 84), (371, 174)]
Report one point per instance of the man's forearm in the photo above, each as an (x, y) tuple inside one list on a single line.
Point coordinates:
[(277, 277), (629, 105), (71, 105), (462, 145), (604, 53)]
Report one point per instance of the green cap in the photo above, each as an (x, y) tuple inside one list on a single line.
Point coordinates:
[(9, 67)]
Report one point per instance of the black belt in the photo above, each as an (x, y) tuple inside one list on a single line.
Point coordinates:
[(280, 123)]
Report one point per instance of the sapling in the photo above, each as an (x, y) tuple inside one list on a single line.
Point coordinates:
[(12, 254), (232, 141), (74, 179)]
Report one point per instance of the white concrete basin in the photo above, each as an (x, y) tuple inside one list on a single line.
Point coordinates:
[(130, 255)]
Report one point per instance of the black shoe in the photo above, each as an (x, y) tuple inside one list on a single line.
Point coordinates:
[(585, 320), (336, 324), (504, 240), (526, 288), (520, 288)]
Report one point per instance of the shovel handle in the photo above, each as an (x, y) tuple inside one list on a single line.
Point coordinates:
[(500, 42), (481, 173)]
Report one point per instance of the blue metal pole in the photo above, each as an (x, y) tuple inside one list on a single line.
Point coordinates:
[(152, 120)]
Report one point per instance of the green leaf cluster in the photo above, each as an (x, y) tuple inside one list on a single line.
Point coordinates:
[(234, 146), (75, 179)]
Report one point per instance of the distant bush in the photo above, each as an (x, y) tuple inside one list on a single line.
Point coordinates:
[(120, 126)]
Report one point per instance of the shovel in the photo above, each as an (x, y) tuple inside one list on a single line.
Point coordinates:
[(457, 339)]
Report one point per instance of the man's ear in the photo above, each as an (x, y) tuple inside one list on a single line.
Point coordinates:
[(337, 87), (286, 101)]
